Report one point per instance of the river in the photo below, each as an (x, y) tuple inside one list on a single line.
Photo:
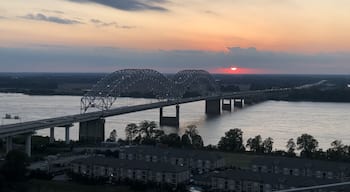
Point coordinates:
[(280, 120)]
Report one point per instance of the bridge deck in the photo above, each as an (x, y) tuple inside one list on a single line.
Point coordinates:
[(31, 126)]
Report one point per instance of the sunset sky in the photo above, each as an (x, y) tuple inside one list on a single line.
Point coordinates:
[(256, 36)]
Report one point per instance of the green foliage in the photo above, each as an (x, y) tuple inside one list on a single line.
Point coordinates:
[(172, 140), (307, 144), (255, 144), (146, 133), (232, 141)]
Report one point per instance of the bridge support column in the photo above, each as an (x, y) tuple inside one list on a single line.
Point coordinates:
[(67, 129), (28, 144), (52, 135), (239, 102), (169, 121), (9, 144), (213, 107), (92, 131), (226, 104)]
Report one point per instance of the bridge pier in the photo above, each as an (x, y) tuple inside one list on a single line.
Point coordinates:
[(9, 144), (213, 107), (67, 129), (52, 135), (169, 121), (28, 144), (226, 104), (239, 102), (92, 131)]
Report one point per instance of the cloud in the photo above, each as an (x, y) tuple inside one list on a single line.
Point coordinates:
[(52, 11), (129, 5), (53, 58), (99, 23), (209, 12), (3, 17), (52, 19)]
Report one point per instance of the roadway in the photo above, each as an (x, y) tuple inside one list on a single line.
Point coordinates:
[(32, 126)]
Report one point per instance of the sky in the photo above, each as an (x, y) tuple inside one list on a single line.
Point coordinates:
[(250, 36)]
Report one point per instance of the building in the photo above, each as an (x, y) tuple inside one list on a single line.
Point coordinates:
[(195, 160), (249, 181), (302, 167), (54, 165), (118, 170)]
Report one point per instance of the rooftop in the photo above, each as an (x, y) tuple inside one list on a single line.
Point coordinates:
[(286, 162), (269, 178), (129, 164), (172, 152)]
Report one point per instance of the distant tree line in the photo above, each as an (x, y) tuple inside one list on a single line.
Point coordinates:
[(147, 133)]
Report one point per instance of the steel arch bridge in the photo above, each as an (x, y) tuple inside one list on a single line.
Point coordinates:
[(106, 91)]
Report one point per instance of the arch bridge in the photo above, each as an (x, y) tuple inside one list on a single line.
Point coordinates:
[(126, 81), (169, 89)]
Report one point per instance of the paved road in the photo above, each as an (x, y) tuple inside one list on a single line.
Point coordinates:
[(32, 126)]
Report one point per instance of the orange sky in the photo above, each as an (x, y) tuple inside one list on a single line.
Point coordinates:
[(277, 25)]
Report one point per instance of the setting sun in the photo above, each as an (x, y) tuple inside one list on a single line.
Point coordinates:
[(234, 68)]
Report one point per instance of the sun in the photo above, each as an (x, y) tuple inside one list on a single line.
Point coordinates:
[(233, 68)]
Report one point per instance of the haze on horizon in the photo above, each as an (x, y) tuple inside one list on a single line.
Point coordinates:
[(256, 36)]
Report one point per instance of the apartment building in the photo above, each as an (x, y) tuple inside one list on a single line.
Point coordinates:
[(195, 160), (135, 170)]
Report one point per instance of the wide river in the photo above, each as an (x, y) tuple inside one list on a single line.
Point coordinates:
[(277, 119)]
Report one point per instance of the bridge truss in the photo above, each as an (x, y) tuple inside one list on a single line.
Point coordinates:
[(119, 83)]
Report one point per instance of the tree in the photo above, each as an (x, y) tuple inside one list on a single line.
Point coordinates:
[(147, 128), (291, 147), (131, 130), (337, 151), (15, 166), (112, 136), (191, 138), (191, 130), (267, 145), (186, 141), (307, 144), (197, 141), (255, 144), (232, 141), (172, 140)]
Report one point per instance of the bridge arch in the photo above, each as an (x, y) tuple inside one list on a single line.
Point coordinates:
[(185, 79), (106, 91)]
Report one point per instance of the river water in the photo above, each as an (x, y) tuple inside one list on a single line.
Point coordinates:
[(277, 119)]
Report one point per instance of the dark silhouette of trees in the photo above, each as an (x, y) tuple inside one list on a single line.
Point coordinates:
[(131, 131), (186, 141), (15, 166), (232, 141), (291, 146), (307, 144), (146, 133), (172, 140), (338, 151), (197, 141), (255, 144), (267, 145), (191, 138), (112, 136)]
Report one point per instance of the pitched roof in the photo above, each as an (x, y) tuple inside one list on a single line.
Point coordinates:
[(130, 164), (270, 178), (285, 162), (172, 152)]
